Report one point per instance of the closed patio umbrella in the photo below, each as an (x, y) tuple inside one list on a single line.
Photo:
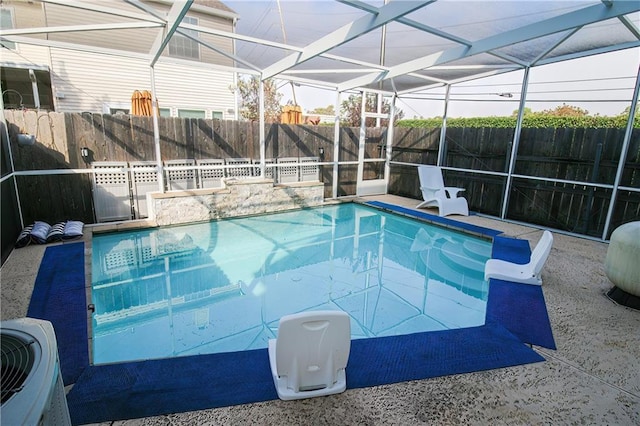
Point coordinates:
[(141, 103)]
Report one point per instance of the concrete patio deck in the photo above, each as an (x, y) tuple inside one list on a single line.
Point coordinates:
[(592, 378)]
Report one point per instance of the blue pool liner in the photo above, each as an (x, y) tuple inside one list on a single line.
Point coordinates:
[(516, 314)]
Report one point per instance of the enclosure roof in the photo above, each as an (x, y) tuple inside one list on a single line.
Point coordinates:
[(397, 47)]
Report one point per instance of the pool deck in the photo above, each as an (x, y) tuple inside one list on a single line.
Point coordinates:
[(592, 378)]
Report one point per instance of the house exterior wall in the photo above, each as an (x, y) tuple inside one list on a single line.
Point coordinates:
[(25, 56), (97, 82), (25, 15), (133, 40)]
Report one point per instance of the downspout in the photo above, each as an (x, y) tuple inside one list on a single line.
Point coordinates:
[(156, 130), (442, 147), (623, 155), (516, 141)]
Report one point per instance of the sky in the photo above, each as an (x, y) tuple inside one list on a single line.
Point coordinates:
[(601, 84)]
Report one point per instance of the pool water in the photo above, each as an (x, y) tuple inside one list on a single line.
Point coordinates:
[(223, 286)]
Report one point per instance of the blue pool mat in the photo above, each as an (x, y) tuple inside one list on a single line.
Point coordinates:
[(515, 314), (520, 307), (417, 356), (511, 249), (150, 388), (522, 310), (435, 219), (59, 297)]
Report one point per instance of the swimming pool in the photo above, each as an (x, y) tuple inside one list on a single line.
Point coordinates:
[(223, 286)]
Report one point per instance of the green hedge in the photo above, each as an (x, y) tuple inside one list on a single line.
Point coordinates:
[(539, 121)]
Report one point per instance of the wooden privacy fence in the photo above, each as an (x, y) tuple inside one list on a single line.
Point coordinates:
[(124, 138), (575, 156)]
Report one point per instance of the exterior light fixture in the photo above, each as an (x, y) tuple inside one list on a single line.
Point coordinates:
[(26, 139), (85, 153)]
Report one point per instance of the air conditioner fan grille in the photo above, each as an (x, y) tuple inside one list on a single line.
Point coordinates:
[(17, 360)]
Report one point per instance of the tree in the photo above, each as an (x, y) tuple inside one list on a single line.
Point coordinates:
[(565, 110), (249, 90), (328, 110), (350, 110), (527, 112), (625, 114)]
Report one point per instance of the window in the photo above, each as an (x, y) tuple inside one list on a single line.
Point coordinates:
[(183, 47), (217, 115), (165, 112), (191, 113), (116, 108), (6, 22), (26, 88)]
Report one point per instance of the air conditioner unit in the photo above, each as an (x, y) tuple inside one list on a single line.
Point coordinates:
[(32, 387)]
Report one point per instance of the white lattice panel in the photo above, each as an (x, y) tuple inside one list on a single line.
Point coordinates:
[(288, 174), (239, 172), (180, 180), (309, 172), (212, 175), (111, 193), (268, 171), (144, 179)]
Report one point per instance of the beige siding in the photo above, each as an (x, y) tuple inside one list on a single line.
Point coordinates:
[(84, 81), (25, 55), (193, 88), (135, 40), (26, 14), (89, 81)]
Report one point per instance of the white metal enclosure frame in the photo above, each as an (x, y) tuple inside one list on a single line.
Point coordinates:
[(455, 42)]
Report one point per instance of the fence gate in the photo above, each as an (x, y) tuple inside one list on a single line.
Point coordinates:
[(111, 196)]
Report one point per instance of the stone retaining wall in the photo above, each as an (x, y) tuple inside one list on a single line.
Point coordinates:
[(237, 198)]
